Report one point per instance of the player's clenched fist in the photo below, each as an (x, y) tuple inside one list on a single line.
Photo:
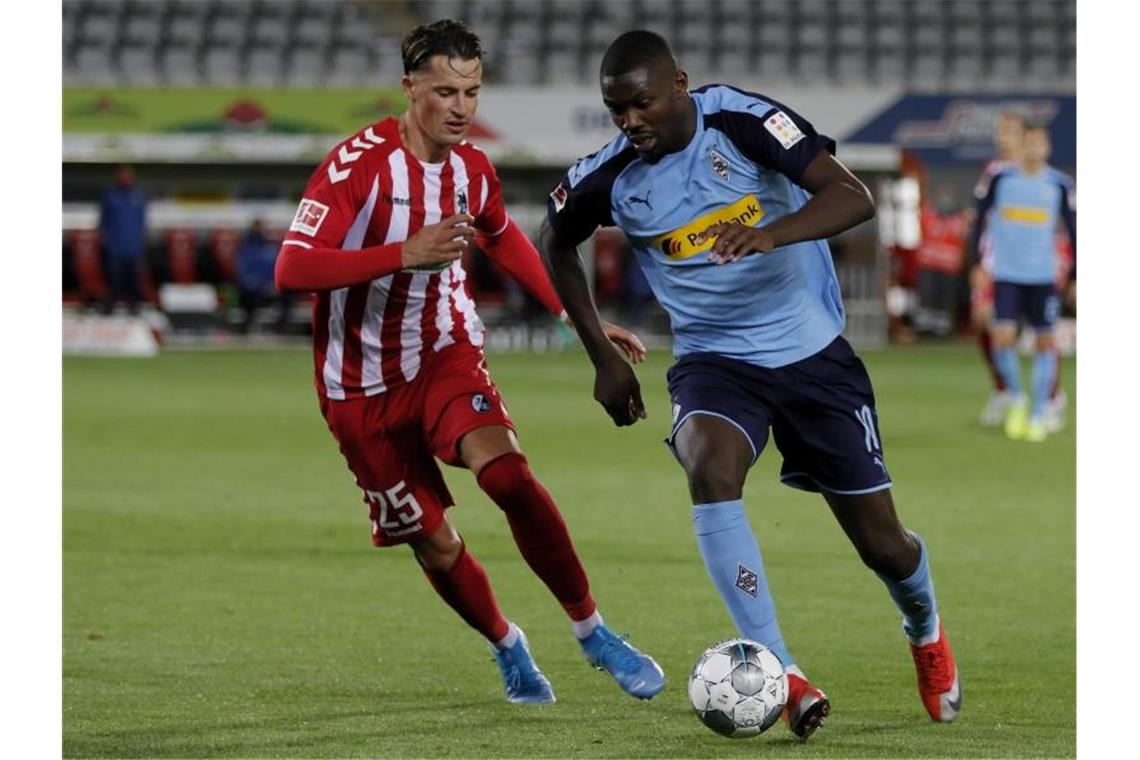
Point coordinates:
[(438, 243), (617, 390)]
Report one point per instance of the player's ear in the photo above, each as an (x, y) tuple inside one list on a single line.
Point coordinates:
[(680, 82), (409, 87)]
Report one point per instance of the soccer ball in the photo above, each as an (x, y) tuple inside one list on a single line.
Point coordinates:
[(738, 688)]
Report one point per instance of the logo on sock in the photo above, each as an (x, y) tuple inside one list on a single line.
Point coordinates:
[(746, 580), (480, 403)]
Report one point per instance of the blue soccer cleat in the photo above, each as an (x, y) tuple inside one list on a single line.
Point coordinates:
[(524, 682), (636, 673)]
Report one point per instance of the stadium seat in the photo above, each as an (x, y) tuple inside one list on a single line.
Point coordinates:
[(99, 35)]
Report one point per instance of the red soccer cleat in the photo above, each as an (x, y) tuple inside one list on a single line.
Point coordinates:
[(938, 678), (807, 707)]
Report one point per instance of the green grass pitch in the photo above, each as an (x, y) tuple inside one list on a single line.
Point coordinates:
[(221, 596)]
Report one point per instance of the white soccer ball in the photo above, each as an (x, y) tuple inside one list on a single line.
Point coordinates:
[(738, 688)]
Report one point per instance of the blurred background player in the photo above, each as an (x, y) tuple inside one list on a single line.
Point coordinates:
[(1020, 211), (400, 370), (122, 228), (712, 188), (1008, 138)]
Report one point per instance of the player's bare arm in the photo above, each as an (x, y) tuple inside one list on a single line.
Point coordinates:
[(839, 202), (615, 384), (303, 268)]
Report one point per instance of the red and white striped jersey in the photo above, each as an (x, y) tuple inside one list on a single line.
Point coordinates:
[(369, 191)]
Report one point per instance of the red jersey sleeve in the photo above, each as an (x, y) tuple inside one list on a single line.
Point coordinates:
[(492, 216), (322, 249), (331, 202)]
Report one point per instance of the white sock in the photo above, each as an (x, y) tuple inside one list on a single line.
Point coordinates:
[(583, 628), (509, 640)]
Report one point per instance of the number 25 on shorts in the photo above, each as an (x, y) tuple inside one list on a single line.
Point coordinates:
[(392, 512)]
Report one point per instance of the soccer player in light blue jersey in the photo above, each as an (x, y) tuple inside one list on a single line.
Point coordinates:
[(727, 197), (1020, 211)]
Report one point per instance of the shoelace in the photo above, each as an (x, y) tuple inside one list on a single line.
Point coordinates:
[(618, 654)]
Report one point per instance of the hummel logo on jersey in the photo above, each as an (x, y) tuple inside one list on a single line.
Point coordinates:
[(309, 216), (392, 201), (634, 199), (719, 164), (746, 580)]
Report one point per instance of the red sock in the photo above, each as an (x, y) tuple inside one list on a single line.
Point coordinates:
[(539, 531), (1056, 376), (467, 590), (988, 353)]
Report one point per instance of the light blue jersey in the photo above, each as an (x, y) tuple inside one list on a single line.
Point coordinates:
[(742, 164), (1020, 213)]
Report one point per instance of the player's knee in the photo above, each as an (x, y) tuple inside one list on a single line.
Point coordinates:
[(440, 550), (1003, 336), (1045, 341), (892, 554), (711, 480)]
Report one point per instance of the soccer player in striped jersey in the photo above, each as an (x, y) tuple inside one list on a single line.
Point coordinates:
[(727, 198), (400, 372)]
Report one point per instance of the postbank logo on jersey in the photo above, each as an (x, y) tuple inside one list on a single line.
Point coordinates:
[(1024, 215), (683, 242)]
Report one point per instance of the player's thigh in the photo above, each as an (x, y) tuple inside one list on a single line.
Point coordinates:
[(716, 454), (404, 491), (719, 426), (826, 426), (1042, 307), (1007, 312), (461, 400)]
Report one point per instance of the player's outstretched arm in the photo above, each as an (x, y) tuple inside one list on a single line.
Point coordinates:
[(839, 201), (300, 267), (615, 385)]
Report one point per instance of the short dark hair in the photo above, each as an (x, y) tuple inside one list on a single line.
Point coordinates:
[(632, 50), (443, 37)]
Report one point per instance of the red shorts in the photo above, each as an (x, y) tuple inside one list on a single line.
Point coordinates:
[(391, 440)]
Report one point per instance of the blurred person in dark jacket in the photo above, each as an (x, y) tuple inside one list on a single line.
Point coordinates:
[(122, 227), (257, 256)]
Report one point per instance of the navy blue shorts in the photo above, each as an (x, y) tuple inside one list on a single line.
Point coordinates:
[(821, 411), (1038, 304)]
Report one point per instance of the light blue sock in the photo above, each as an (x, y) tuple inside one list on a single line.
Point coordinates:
[(1005, 359), (915, 598), (732, 558), (1041, 380)]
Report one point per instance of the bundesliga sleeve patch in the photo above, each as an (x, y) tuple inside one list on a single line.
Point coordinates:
[(783, 129), (559, 197), (309, 216)]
